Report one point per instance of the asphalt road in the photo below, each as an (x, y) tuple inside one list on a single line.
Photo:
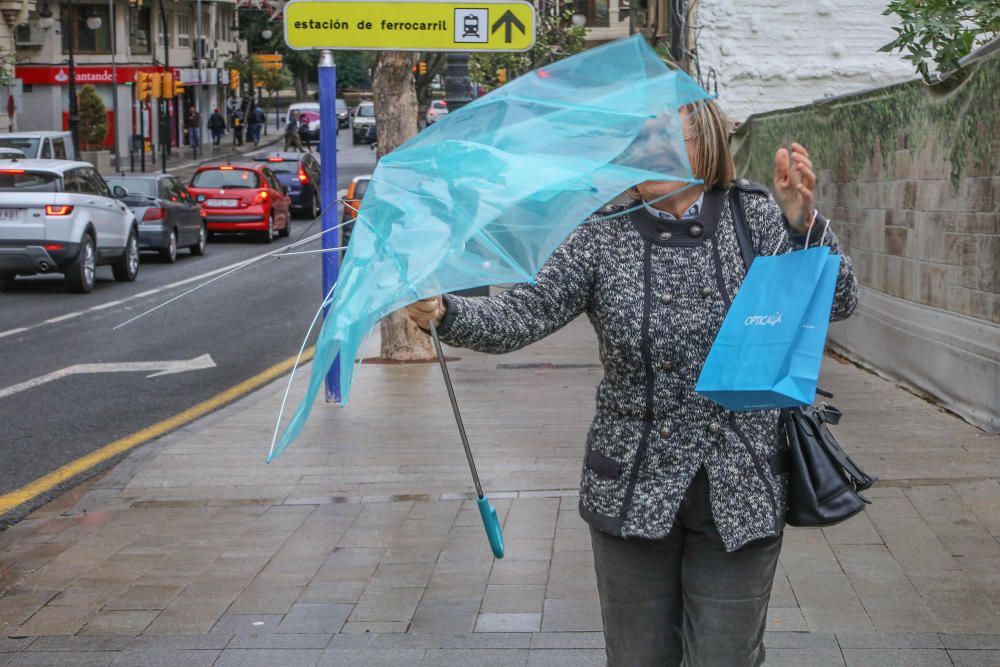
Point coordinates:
[(246, 322)]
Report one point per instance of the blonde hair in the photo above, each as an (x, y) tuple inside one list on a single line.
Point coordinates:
[(708, 129)]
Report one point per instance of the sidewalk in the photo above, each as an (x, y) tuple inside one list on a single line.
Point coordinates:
[(182, 161), (359, 546)]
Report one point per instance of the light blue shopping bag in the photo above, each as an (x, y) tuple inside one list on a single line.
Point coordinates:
[(769, 349)]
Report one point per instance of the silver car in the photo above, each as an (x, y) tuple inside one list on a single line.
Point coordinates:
[(168, 216), (60, 216)]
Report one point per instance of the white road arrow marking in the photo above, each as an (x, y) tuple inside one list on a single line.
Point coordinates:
[(155, 368)]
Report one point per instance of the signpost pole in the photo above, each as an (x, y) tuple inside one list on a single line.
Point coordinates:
[(328, 190)]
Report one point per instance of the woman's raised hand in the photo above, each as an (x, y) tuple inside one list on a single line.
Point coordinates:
[(423, 312), (794, 181)]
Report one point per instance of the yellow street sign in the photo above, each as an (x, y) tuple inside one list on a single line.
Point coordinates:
[(408, 25)]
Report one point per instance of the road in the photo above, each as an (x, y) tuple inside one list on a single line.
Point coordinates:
[(71, 384)]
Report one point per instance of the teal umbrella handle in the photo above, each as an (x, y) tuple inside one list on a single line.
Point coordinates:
[(492, 525)]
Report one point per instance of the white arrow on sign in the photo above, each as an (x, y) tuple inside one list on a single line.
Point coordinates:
[(158, 369)]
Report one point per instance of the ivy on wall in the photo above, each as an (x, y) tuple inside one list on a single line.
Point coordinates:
[(962, 113)]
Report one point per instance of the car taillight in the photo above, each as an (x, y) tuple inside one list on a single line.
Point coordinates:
[(351, 207), (11, 171), (303, 176), (53, 246), (154, 213), (261, 197), (58, 209)]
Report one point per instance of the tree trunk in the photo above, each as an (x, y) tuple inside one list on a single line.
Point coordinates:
[(301, 92), (396, 117)]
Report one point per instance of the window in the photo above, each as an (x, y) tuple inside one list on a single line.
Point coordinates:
[(183, 30), (137, 186), (46, 150), (85, 40), (27, 146), (36, 181), (225, 178), (140, 27), (59, 149), (75, 181), (96, 183)]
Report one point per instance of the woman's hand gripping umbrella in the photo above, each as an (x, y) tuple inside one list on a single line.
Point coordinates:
[(485, 195)]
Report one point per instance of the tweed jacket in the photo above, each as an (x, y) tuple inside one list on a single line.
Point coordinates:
[(656, 292)]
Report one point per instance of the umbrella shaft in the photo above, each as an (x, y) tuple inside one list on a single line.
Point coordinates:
[(454, 408)]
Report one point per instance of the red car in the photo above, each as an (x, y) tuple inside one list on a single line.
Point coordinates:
[(242, 198)]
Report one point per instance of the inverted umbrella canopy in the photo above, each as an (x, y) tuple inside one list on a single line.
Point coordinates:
[(487, 193)]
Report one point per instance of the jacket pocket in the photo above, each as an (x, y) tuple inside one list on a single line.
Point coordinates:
[(603, 466)]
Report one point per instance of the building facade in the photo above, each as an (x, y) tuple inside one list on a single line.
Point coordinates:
[(147, 36)]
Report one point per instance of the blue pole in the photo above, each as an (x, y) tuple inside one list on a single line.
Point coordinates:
[(328, 191)]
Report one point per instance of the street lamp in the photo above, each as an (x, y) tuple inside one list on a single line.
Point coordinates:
[(93, 22), (579, 20), (266, 33)]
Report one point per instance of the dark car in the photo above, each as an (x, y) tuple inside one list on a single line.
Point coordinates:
[(343, 114), (299, 172), (168, 216)]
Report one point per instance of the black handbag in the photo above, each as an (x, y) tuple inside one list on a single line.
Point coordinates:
[(823, 482)]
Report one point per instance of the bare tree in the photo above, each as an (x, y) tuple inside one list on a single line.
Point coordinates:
[(396, 117)]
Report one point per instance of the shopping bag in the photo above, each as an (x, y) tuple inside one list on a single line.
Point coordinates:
[(769, 349)]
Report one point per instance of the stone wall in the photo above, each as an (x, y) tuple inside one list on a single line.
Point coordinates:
[(911, 176)]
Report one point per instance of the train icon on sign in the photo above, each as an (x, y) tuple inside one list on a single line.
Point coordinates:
[(472, 26)]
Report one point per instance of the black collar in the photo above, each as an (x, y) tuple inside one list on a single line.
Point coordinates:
[(685, 232)]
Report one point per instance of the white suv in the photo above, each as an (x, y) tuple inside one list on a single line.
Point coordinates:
[(61, 216)]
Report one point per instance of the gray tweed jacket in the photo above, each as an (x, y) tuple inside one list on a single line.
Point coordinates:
[(656, 293)]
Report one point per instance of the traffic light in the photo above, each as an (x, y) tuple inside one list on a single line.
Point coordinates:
[(156, 88), (167, 85), (144, 86), (423, 68), (502, 75), (234, 79), (178, 88)]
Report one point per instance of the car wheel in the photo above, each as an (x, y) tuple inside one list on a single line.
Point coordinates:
[(198, 249), (287, 229), (126, 268), (169, 254), (80, 273), (315, 211), (268, 235)]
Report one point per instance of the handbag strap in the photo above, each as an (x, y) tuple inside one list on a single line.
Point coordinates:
[(742, 229)]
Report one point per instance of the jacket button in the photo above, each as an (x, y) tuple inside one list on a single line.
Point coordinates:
[(667, 366), (666, 298), (695, 231), (665, 236), (665, 433), (706, 292), (714, 428)]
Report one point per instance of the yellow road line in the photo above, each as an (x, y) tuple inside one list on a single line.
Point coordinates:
[(46, 483)]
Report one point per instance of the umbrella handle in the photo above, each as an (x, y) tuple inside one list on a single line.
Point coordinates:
[(492, 525)]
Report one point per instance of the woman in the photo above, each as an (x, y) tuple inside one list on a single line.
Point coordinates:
[(684, 499)]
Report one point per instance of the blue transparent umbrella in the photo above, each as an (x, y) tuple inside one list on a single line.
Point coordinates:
[(486, 194)]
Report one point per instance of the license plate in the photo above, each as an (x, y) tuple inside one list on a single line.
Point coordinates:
[(10, 214), (221, 203)]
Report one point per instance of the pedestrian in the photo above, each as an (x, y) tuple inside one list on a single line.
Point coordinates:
[(193, 124), (304, 131), (216, 125), (292, 139), (258, 120), (237, 124), (685, 500)]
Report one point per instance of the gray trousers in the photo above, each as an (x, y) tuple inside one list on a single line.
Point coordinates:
[(683, 600)]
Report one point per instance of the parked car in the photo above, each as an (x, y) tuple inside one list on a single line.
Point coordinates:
[(60, 216), (41, 145), (168, 215), (352, 202), (364, 115), (299, 172), (343, 114), (436, 111), (243, 197)]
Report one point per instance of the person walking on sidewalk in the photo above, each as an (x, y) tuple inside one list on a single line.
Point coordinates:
[(685, 500), (292, 139), (216, 125), (237, 123), (193, 124), (256, 121)]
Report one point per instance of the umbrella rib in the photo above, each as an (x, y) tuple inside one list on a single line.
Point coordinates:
[(577, 107)]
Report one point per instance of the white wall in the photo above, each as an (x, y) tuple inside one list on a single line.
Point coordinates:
[(772, 54)]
